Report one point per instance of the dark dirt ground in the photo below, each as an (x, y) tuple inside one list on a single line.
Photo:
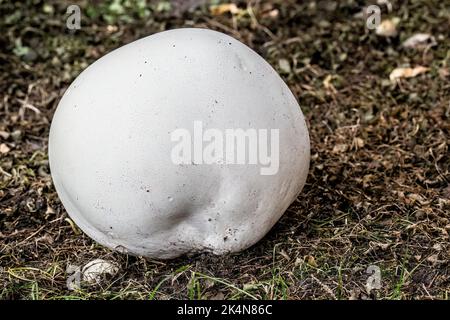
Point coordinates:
[(378, 191)]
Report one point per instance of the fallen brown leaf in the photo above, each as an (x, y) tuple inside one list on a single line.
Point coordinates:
[(220, 9), (399, 73), (419, 41), (311, 261), (4, 148), (387, 28)]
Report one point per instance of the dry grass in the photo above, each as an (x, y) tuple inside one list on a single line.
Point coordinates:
[(378, 192)]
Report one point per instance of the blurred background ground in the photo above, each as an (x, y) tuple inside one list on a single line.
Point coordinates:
[(378, 190)]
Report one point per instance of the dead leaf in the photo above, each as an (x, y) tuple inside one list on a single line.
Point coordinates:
[(111, 28), (285, 255), (218, 10), (433, 258), (444, 73), (446, 192), (272, 14), (49, 210), (45, 238), (4, 135), (340, 148), (268, 11), (419, 41), (4, 148), (387, 28), (383, 246), (218, 296), (249, 286), (93, 271), (358, 143), (284, 65), (311, 261), (437, 247), (399, 73), (328, 85)]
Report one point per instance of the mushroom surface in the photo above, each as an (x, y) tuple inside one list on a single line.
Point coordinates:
[(181, 142)]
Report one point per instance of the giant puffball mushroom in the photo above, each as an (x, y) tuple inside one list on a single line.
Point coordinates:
[(185, 141)]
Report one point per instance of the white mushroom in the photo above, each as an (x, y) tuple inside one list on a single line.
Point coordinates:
[(118, 149)]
